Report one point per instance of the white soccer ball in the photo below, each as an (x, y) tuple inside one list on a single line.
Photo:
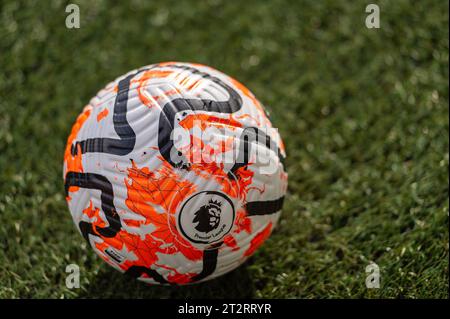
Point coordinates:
[(174, 174)]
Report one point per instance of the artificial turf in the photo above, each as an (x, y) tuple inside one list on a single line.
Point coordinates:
[(363, 113)]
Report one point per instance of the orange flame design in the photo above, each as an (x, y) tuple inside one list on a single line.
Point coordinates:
[(104, 113), (259, 239)]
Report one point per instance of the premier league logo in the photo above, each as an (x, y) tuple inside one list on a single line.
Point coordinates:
[(206, 217)]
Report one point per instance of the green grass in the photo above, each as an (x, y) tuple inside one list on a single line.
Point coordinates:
[(363, 113)]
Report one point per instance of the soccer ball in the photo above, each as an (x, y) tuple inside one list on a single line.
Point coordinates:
[(174, 174)]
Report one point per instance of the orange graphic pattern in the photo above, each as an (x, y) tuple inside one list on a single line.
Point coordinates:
[(104, 113)]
